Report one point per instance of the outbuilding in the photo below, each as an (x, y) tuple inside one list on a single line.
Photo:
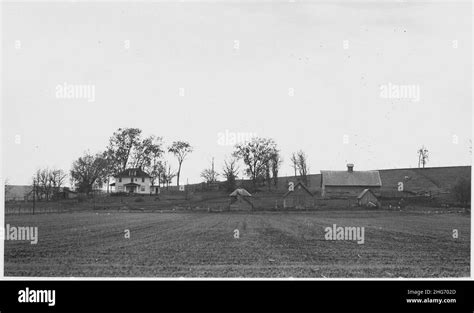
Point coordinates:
[(368, 199), (298, 197), (240, 200), (350, 183)]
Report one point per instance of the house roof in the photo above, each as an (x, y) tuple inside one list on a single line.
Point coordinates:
[(298, 185), (362, 194), (240, 191), (133, 172), (131, 184), (355, 178), (67, 190)]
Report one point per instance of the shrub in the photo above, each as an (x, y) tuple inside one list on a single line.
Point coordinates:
[(139, 199), (119, 194), (81, 197)]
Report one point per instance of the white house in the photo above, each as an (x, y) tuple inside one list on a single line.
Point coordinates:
[(132, 180)]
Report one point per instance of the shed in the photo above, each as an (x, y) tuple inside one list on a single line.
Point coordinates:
[(240, 199), (300, 197), (367, 198), (350, 183)]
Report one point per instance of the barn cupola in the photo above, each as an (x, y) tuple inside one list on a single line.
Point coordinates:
[(350, 167)]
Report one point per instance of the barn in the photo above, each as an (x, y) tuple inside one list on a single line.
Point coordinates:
[(299, 197), (240, 200), (18, 192), (368, 199), (350, 183)]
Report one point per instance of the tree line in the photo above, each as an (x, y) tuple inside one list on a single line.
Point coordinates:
[(128, 148)]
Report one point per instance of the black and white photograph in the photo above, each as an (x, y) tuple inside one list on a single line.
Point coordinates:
[(242, 139)]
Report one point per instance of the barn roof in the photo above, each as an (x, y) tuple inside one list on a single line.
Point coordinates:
[(355, 178), (17, 191), (240, 191), (299, 185), (133, 172)]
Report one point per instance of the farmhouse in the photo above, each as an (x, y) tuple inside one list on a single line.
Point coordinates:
[(132, 180), (240, 200), (350, 183), (367, 198), (298, 197)]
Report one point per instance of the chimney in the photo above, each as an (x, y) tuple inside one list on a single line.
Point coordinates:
[(350, 167)]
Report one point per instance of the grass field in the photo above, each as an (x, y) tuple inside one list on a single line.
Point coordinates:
[(397, 244)]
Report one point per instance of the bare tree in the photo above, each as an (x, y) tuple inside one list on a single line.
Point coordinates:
[(422, 156), (57, 178), (275, 164), (167, 175), (210, 175), (156, 171), (43, 182), (36, 189), (303, 167), (180, 149), (299, 162), (294, 163), (230, 172)]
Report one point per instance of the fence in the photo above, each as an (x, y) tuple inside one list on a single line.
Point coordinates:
[(42, 207)]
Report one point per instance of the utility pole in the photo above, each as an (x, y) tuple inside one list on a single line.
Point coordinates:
[(187, 187), (213, 168), (34, 195)]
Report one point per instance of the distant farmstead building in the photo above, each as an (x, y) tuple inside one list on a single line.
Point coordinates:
[(350, 183), (367, 199), (18, 193), (298, 197), (132, 180), (240, 200)]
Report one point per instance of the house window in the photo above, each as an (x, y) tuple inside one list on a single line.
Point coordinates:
[(120, 180), (143, 179), (142, 188)]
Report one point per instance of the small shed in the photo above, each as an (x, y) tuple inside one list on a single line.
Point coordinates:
[(367, 198), (240, 200), (65, 193), (299, 197)]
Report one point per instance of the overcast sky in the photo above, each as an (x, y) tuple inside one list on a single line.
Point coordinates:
[(302, 73)]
